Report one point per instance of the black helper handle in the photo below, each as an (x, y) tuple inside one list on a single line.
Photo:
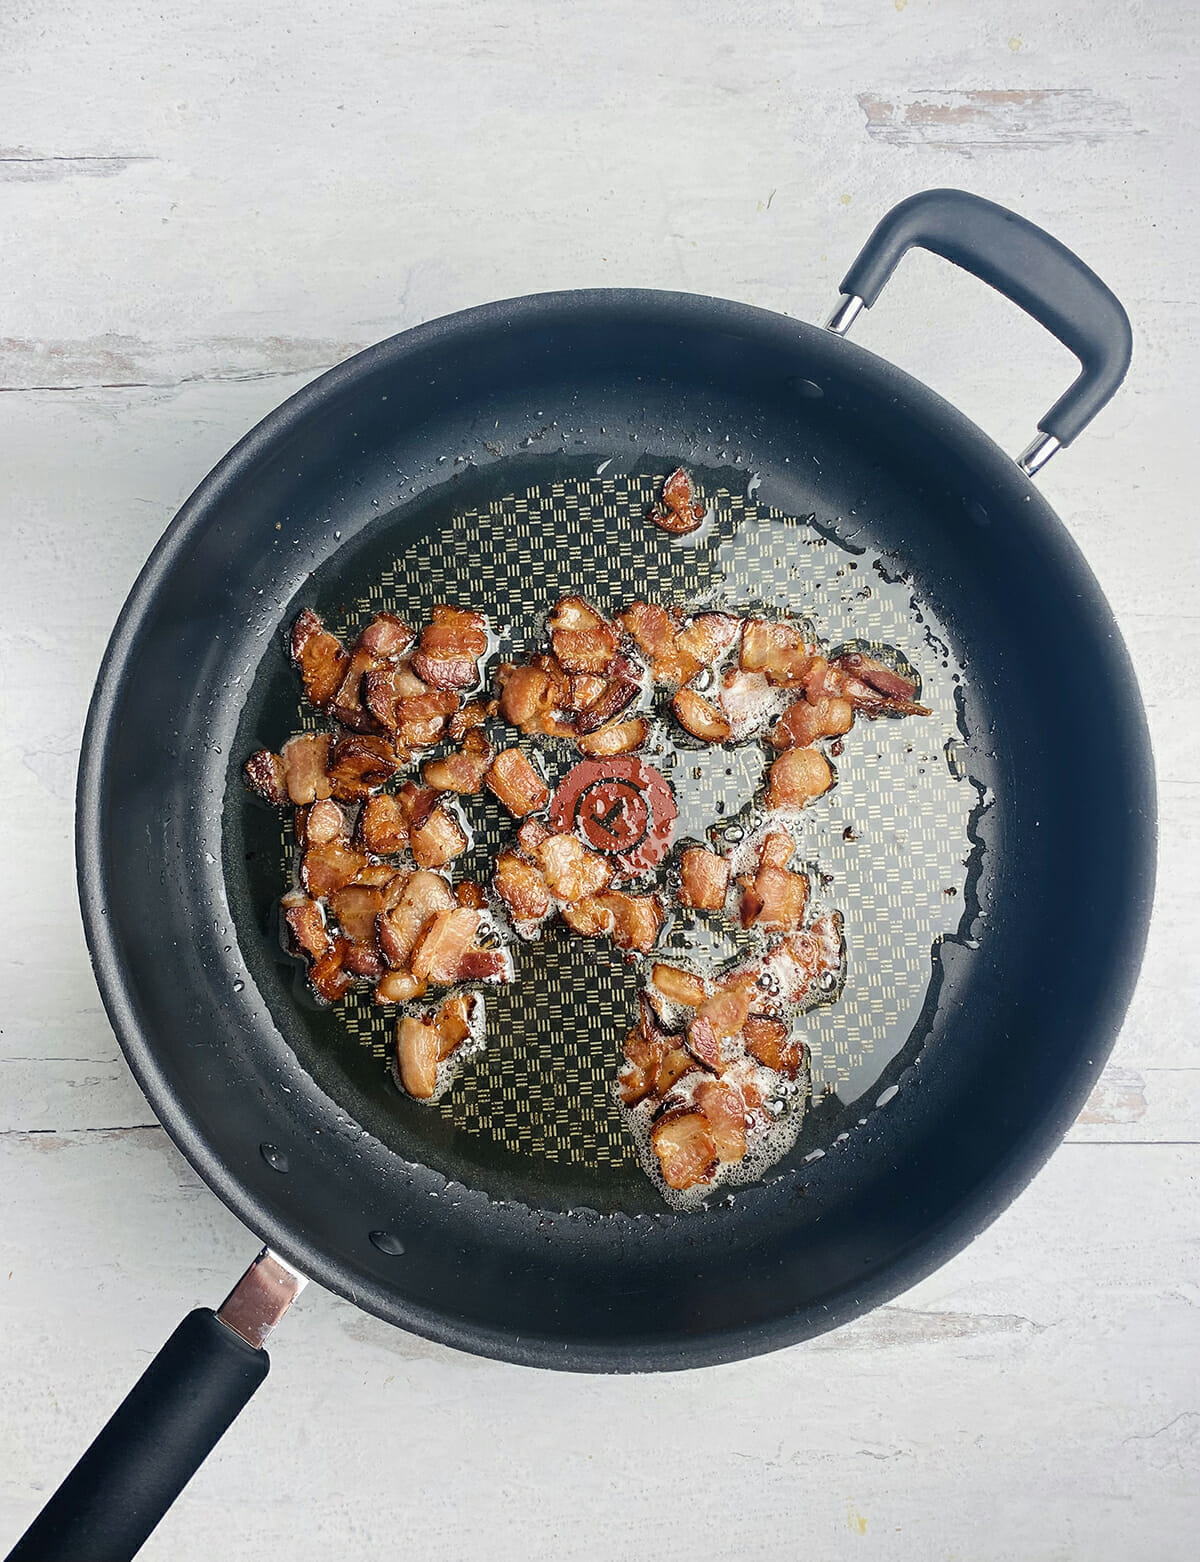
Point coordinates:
[(167, 1426), (1025, 264)]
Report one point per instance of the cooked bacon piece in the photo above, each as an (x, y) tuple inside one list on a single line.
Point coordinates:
[(453, 1022), (516, 783), (583, 642), (425, 895), (583, 690), (679, 986), (658, 635), (636, 919), (385, 686), (724, 1107), (306, 923), (415, 714), (446, 672), (804, 722), (324, 822), (618, 737), (450, 648), (767, 1040), (819, 681), (461, 772), (521, 887), (359, 764), (364, 960), (399, 987), (726, 1010), (356, 907), (324, 869), (677, 1062), (776, 649), (437, 839), (590, 918), (774, 900), (415, 802), (386, 638), (531, 834), (746, 700), (327, 976), (570, 870), (677, 512), (320, 658), (468, 893), (383, 825), (695, 715), (437, 956), (703, 1042), (639, 1074), (470, 717), (347, 703), (797, 776), (776, 850), (394, 888), (620, 689), (879, 677), (529, 695), (417, 1047), (306, 760), (703, 879), (708, 637), (485, 965), (684, 1145), (267, 774)]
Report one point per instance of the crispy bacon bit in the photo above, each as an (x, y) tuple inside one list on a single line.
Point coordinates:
[(468, 893), (639, 1075), (774, 900), (657, 634), (425, 895), (703, 879), (583, 642), (724, 1107), (521, 887), (324, 869), (583, 690), (767, 1040), (531, 834), (675, 1064), (703, 1042), (776, 649), (677, 512), (880, 677), (399, 987), (461, 772), (571, 871), (636, 919), (797, 776), (695, 715), (437, 839), (516, 783), (529, 695), (378, 875), (618, 737), (450, 648), (776, 850), (590, 918), (453, 1022), (485, 965), (386, 638), (437, 956), (382, 825), (417, 1046), (325, 822), (709, 636), (266, 773), (726, 1011), (306, 923), (364, 960), (359, 763), (679, 986), (320, 658), (356, 907), (685, 1149), (327, 976), (347, 703), (470, 717), (305, 760), (804, 722), (620, 689)]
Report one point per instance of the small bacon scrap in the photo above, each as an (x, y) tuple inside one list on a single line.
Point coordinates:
[(530, 694), (463, 771), (677, 512), (697, 716), (320, 657), (383, 825), (679, 986), (522, 888), (306, 924), (453, 1023), (516, 783), (636, 919), (359, 763), (438, 953), (582, 640), (399, 987), (767, 1040), (324, 869), (703, 879), (425, 895), (797, 777), (776, 649), (305, 761), (724, 1109), (450, 648), (684, 1145), (570, 870), (590, 918), (804, 722), (471, 716), (417, 1047), (267, 775), (618, 737), (357, 907), (437, 839), (656, 631)]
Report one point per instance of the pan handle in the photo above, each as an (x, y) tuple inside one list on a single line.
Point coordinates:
[(169, 1423), (1029, 267)]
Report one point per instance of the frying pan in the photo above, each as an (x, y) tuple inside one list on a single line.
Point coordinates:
[(503, 456)]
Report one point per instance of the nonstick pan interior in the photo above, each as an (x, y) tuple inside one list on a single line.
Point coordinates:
[(496, 1222)]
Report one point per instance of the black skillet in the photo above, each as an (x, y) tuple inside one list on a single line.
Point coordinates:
[(504, 413)]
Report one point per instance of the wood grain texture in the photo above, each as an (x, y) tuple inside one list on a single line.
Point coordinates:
[(202, 208)]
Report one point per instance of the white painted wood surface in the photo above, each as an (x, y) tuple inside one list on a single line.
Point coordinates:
[(202, 206)]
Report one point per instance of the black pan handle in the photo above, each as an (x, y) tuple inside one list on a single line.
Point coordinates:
[(1029, 267), (169, 1423)]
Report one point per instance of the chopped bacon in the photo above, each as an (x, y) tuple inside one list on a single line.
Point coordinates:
[(879, 677), (364, 960), (325, 822), (703, 879), (306, 923), (776, 851), (469, 893), (267, 774), (485, 965), (767, 1040), (746, 699), (774, 900), (618, 737), (583, 642), (703, 1041), (453, 1022), (529, 695), (685, 1149), (776, 649), (470, 717), (425, 895), (726, 1011), (696, 715), (327, 976), (324, 869), (677, 1062), (417, 1047), (521, 887), (709, 636), (347, 703), (516, 783), (724, 1108), (356, 907), (677, 512), (386, 638), (320, 657), (359, 763), (798, 776), (583, 690), (399, 987), (804, 722), (531, 834), (619, 690), (636, 919), (393, 890), (639, 1075), (306, 760), (437, 956), (679, 986), (437, 839), (590, 918), (382, 825), (463, 771), (451, 646), (657, 633), (415, 714), (571, 871)]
